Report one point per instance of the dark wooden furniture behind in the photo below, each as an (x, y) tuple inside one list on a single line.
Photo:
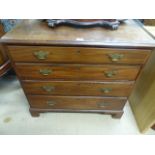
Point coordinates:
[(65, 69), (5, 64)]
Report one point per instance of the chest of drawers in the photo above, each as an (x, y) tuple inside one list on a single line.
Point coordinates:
[(77, 70)]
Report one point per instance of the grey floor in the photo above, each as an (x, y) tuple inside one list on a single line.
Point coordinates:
[(15, 117)]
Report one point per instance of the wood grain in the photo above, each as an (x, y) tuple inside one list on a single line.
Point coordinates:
[(36, 32), (77, 72), (78, 55), (78, 88), (74, 102)]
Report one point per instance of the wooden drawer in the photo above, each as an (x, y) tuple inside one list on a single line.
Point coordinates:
[(77, 72), (77, 55), (78, 88), (74, 102)]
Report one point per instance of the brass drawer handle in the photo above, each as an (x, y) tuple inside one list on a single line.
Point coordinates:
[(48, 88), (51, 103), (45, 71), (106, 90), (115, 57), (41, 55), (110, 73), (102, 105)]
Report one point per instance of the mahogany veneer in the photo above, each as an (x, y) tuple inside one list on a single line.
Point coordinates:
[(78, 55), (78, 88), (76, 72)]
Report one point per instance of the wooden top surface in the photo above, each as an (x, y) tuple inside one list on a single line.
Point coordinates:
[(129, 34)]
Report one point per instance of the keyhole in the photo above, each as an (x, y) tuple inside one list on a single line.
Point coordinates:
[(78, 52)]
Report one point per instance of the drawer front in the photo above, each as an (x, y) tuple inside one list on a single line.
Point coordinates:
[(77, 72), (79, 103), (78, 55), (78, 88)]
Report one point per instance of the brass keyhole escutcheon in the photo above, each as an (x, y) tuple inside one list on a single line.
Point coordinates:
[(110, 74), (78, 52), (45, 71), (48, 88), (115, 57), (41, 55), (102, 104), (51, 103), (106, 90)]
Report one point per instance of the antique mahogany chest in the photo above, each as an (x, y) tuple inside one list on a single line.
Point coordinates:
[(66, 69)]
